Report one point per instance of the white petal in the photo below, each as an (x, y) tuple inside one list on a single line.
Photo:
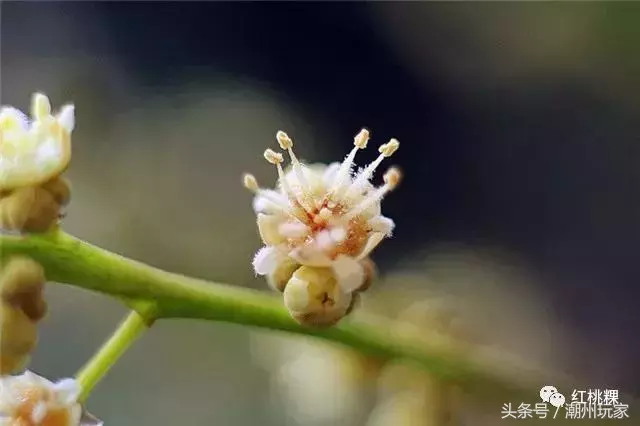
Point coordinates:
[(266, 260), (66, 118), (67, 391), (310, 255), (373, 241), (293, 229), (349, 273), (48, 152), (262, 204), (13, 117), (268, 228), (76, 416), (39, 412), (32, 378), (382, 224)]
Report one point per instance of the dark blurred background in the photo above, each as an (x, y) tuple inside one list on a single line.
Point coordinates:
[(519, 126)]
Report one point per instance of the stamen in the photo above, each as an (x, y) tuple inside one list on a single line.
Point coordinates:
[(359, 142), (391, 179), (277, 159), (386, 150), (286, 143), (251, 183)]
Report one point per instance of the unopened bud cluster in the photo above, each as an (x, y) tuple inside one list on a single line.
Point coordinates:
[(33, 154), (319, 227), (22, 306)]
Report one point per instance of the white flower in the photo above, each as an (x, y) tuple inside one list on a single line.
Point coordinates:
[(323, 216), (318, 384), (31, 400), (34, 152)]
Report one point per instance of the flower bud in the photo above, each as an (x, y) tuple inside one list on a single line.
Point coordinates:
[(314, 298), (279, 278), (29, 209), (60, 188), (370, 274), (22, 284), (355, 301), (34, 149), (21, 307), (18, 338)]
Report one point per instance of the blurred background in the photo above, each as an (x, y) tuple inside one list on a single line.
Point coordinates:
[(519, 126)]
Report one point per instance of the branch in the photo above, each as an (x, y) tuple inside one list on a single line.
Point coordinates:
[(72, 261)]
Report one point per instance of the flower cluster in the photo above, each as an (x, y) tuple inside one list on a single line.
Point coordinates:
[(31, 400), (33, 155), (319, 226)]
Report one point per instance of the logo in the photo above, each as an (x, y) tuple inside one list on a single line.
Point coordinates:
[(584, 404)]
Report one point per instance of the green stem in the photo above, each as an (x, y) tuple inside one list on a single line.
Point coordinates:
[(481, 372), (127, 332)]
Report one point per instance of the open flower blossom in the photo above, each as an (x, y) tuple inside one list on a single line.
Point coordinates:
[(31, 400), (322, 216), (34, 151)]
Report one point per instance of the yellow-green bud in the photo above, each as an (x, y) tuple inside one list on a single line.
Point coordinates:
[(18, 338), (29, 209), (22, 282), (279, 278), (314, 298), (370, 273), (355, 301), (60, 188)]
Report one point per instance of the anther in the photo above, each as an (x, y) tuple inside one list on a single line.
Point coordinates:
[(392, 177), (250, 182), (273, 157), (389, 148), (386, 150), (361, 139), (284, 140)]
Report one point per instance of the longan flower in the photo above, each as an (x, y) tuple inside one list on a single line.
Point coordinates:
[(322, 216), (34, 152), (31, 400)]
